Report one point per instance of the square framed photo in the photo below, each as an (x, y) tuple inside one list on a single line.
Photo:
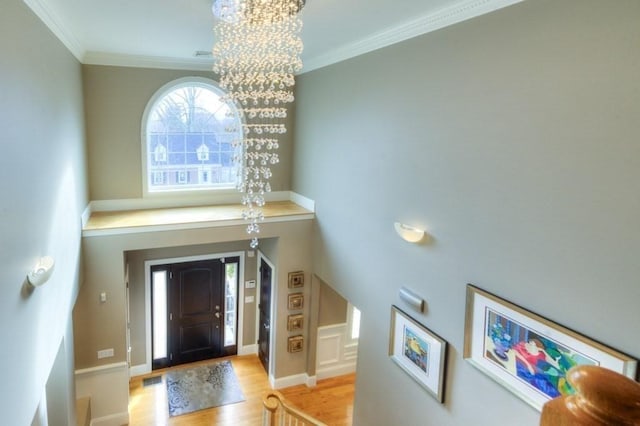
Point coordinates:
[(528, 354), (296, 279), (296, 301), (296, 344), (419, 352), (295, 322)]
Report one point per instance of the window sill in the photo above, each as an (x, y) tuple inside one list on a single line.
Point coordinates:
[(165, 219)]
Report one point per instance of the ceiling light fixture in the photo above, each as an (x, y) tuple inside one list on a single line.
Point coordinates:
[(256, 55)]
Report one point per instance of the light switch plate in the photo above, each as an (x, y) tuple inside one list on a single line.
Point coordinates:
[(250, 284)]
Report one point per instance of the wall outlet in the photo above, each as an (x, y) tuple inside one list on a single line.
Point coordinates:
[(105, 353)]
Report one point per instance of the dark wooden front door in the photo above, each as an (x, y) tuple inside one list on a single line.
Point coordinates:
[(196, 311), (264, 309)]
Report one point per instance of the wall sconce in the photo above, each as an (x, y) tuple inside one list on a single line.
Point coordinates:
[(41, 273), (409, 233), (412, 299)]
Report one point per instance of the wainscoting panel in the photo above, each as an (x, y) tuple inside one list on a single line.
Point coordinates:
[(335, 357)]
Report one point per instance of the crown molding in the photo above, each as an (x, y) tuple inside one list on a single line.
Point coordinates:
[(57, 26), (140, 61), (462, 11)]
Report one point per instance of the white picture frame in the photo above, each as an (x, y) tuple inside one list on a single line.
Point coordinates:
[(419, 352)]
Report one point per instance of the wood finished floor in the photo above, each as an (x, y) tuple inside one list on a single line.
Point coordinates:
[(331, 401)]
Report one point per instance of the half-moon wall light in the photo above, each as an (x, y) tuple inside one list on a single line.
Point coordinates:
[(409, 233), (41, 273)]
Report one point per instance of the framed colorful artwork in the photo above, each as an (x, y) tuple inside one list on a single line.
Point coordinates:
[(296, 279), (529, 354), (295, 322), (296, 301), (418, 351)]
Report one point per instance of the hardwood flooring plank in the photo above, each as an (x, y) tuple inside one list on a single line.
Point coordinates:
[(331, 401)]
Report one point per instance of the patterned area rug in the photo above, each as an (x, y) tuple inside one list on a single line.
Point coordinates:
[(202, 387)]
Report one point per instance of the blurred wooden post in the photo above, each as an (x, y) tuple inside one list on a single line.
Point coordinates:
[(603, 398)]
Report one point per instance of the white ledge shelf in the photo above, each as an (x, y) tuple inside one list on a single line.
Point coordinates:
[(167, 219)]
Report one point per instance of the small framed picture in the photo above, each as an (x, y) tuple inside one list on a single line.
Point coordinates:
[(296, 279), (296, 343), (296, 301), (528, 354), (295, 322), (419, 352)]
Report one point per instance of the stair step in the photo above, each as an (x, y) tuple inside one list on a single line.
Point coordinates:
[(83, 411)]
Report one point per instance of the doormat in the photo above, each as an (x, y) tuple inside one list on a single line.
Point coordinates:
[(149, 381), (202, 387)]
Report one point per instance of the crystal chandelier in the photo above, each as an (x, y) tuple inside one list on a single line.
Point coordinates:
[(257, 53)]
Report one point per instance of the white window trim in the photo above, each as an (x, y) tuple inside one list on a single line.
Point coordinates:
[(180, 193)]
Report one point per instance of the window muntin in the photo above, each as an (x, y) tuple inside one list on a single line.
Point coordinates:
[(188, 138)]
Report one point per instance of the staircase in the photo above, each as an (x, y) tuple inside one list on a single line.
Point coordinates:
[(278, 412)]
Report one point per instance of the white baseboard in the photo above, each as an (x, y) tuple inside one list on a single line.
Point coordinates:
[(248, 350), (339, 370), (312, 381), (295, 380), (303, 201), (139, 370), (112, 420), (142, 369)]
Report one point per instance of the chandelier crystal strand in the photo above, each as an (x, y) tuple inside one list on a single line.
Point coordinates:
[(257, 54)]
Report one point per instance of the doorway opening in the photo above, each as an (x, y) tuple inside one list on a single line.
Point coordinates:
[(194, 310), (265, 309), (338, 334)]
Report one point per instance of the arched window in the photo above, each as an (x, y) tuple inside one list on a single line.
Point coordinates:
[(188, 133)]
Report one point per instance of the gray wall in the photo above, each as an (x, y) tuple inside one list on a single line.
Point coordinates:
[(513, 139), (43, 192), (115, 99), (332, 308), (137, 289)]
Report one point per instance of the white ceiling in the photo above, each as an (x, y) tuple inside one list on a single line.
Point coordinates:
[(167, 33)]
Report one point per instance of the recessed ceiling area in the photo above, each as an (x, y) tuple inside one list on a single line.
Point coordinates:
[(168, 33)]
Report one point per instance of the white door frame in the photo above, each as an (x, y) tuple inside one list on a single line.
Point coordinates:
[(274, 294), (146, 368)]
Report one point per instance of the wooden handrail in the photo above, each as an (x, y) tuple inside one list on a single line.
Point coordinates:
[(277, 411), (602, 398)]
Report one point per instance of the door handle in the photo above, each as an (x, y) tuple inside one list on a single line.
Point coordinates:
[(217, 314), (266, 326)]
